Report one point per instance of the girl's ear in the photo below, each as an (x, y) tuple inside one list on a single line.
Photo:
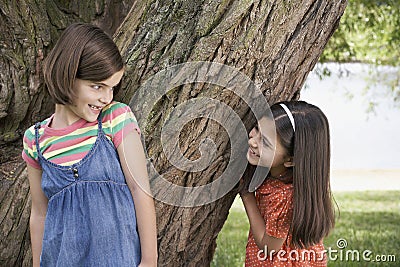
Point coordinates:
[(289, 162)]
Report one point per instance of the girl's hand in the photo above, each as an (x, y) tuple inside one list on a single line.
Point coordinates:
[(244, 193), (243, 187)]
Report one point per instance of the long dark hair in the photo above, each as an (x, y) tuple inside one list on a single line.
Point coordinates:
[(309, 145)]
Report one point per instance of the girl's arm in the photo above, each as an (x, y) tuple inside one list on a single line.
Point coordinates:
[(38, 213), (257, 225), (133, 164)]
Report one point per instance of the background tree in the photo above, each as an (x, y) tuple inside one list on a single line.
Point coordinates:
[(275, 43), (368, 34)]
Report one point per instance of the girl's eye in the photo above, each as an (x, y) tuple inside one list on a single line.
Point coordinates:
[(96, 87), (265, 143)]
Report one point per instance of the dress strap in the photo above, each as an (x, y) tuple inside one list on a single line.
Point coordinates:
[(37, 127), (99, 123)]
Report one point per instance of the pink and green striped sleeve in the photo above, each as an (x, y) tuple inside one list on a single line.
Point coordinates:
[(29, 153), (119, 120)]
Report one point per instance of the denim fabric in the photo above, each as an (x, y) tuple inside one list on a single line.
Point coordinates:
[(91, 218)]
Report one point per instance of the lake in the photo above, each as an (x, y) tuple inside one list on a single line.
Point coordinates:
[(359, 139)]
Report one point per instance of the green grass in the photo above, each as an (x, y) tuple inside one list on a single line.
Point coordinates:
[(368, 220), (231, 241)]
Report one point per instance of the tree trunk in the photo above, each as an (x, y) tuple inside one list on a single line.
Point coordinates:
[(274, 43)]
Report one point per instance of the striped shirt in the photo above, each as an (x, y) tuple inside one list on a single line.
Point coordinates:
[(69, 145)]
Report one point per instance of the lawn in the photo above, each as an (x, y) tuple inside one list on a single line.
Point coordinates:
[(368, 227)]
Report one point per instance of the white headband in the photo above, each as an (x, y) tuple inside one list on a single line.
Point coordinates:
[(290, 115)]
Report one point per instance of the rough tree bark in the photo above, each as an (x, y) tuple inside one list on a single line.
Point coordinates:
[(275, 43)]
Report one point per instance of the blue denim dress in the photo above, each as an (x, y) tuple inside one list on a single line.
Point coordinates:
[(91, 218)]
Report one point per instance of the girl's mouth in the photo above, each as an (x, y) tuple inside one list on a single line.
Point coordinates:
[(251, 151), (95, 107)]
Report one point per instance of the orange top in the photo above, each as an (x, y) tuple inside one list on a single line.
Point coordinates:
[(275, 202)]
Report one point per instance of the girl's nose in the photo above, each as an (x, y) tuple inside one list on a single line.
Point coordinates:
[(252, 142), (107, 96), (252, 138)]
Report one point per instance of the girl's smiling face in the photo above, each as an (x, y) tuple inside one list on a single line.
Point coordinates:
[(264, 149), (92, 97)]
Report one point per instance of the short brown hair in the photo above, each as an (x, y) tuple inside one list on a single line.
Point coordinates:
[(83, 51)]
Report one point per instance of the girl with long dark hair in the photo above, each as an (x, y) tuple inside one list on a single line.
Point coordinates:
[(292, 211)]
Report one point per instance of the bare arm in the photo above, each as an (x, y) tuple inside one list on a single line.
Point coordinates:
[(257, 225), (38, 213), (133, 163)]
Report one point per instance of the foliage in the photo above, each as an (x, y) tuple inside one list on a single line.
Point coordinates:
[(367, 221), (368, 32)]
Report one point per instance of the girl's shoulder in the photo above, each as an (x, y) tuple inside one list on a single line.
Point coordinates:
[(118, 119), (29, 153), (117, 112), (30, 132), (116, 106)]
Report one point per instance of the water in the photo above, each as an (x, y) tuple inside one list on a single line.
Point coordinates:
[(359, 139)]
